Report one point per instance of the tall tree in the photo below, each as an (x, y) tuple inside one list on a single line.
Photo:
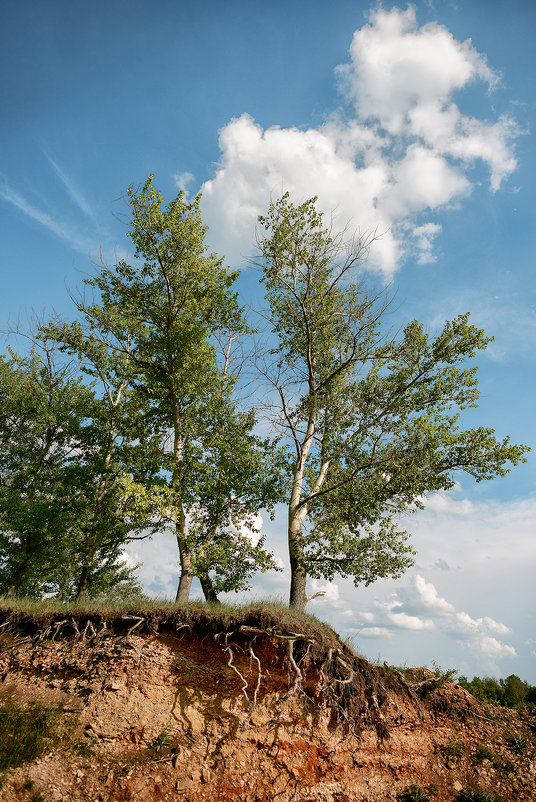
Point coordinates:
[(166, 312), (114, 444), (372, 422), (63, 518), (44, 407)]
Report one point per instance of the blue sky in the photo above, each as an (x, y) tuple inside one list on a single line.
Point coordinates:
[(417, 120)]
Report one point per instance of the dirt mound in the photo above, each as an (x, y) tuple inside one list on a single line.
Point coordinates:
[(197, 704)]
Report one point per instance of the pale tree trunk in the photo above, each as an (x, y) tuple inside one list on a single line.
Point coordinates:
[(187, 571), (298, 579), (296, 517), (297, 513)]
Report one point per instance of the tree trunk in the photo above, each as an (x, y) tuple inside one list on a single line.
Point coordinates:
[(298, 574), (298, 582), (183, 591), (16, 579), (187, 573), (208, 589), (83, 583)]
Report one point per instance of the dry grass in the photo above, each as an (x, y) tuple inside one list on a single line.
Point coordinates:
[(271, 615)]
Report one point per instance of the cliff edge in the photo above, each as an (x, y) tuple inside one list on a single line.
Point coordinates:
[(197, 703)]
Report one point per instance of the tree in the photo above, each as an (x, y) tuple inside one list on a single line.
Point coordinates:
[(371, 422), (63, 520), (44, 407), (166, 312), (114, 443)]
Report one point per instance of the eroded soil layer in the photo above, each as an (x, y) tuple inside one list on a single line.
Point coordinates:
[(194, 707)]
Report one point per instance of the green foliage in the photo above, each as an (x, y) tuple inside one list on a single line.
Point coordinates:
[(470, 795), (516, 742), (484, 753), (444, 675), (85, 748), (372, 423), (24, 731), (509, 692), (63, 521), (174, 318), (162, 741), (415, 794)]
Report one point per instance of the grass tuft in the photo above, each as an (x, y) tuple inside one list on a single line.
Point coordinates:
[(24, 731)]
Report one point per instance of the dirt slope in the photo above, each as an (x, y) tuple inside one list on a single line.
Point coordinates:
[(188, 704)]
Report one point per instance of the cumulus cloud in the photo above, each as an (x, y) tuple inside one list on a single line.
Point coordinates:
[(419, 607), (397, 150)]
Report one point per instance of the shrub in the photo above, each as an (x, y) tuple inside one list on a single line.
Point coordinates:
[(469, 795), (516, 742), (415, 794)]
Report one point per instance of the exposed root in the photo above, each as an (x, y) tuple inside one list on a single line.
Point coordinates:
[(138, 618), (350, 678), (260, 675), (57, 627), (230, 663)]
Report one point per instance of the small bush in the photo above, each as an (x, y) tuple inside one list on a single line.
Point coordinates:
[(444, 675), (517, 743), (415, 794), (484, 753), (84, 748), (24, 730), (468, 795), (161, 741)]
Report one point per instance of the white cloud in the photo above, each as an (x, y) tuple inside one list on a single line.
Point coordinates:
[(400, 149), (396, 67), (389, 616), (183, 181), (424, 236), (418, 606), (430, 599), (444, 503)]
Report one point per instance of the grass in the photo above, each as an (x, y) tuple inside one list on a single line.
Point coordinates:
[(469, 795), (25, 731), (268, 614), (517, 743)]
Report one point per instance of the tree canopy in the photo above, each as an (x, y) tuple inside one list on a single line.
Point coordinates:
[(372, 421), (143, 424)]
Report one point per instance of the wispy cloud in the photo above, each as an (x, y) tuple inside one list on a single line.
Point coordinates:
[(61, 229), (73, 190)]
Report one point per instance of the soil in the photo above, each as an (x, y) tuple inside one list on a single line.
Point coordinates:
[(206, 707)]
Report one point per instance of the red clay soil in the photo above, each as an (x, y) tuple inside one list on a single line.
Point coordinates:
[(198, 709)]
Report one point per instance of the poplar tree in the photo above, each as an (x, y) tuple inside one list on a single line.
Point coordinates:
[(167, 312), (371, 422)]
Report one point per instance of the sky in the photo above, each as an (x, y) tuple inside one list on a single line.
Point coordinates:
[(414, 121)]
